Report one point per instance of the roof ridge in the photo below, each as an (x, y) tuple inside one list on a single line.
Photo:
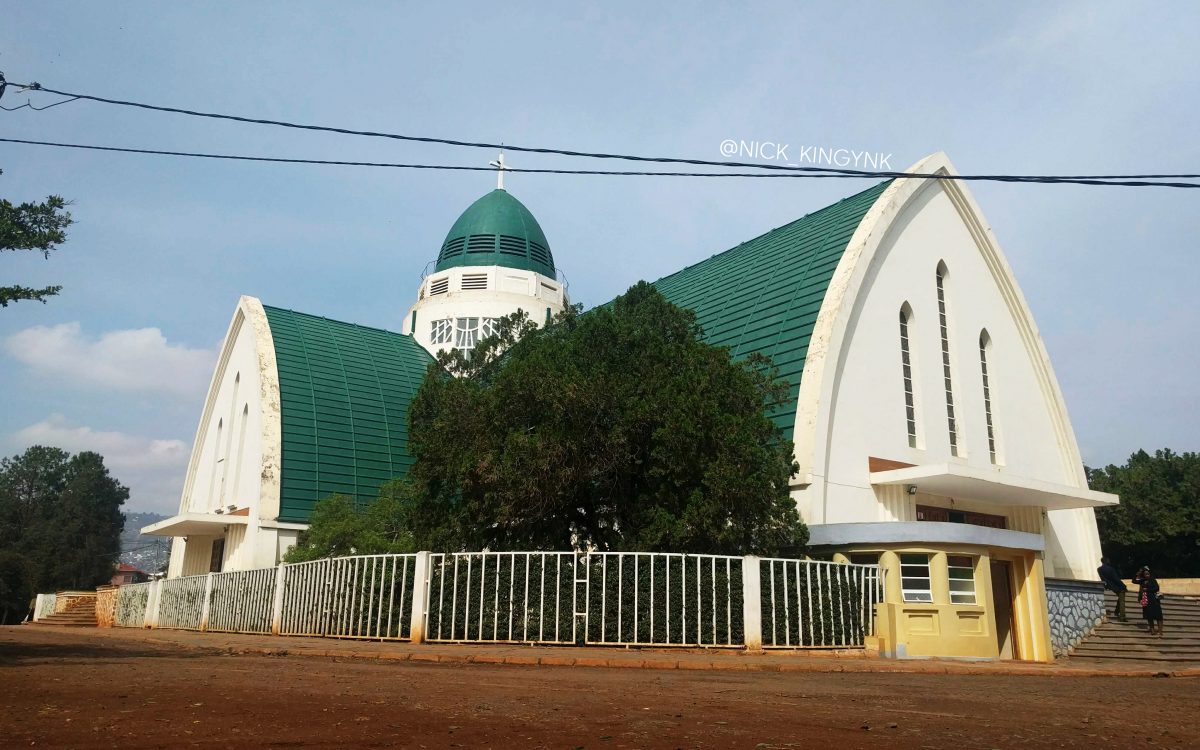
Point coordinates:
[(771, 231), (339, 322)]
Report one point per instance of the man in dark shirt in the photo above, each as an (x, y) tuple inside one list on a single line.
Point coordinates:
[(1112, 582)]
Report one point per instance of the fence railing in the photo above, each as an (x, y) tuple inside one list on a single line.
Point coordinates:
[(368, 596), (502, 597), (810, 603), (595, 598), (131, 605)]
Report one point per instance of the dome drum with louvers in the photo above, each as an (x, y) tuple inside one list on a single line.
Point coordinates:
[(497, 230)]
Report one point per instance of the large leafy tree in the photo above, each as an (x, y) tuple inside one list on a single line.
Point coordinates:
[(38, 227), (1158, 520), (60, 521), (619, 429)]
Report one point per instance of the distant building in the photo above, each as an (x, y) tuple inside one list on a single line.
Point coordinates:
[(929, 428), (127, 574)]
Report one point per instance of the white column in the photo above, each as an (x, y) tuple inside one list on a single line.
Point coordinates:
[(751, 603), (277, 606), (420, 597), (37, 608), (153, 603), (207, 601)]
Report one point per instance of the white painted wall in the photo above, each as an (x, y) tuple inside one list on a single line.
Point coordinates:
[(228, 448), (508, 290), (860, 406), (236, 455)]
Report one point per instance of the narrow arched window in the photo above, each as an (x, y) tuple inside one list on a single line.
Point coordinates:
[(906, 365), (944, 327), (985, 343)]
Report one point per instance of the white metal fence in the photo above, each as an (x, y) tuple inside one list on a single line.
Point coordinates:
[(131, 605), (807, 603), (598, 598), (181, 602), (660, 599), (242, 601), (368, 596), (503, 597)]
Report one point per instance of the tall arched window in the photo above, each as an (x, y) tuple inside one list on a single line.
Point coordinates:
[(943, 325), (906, 365), (985, 345), (212, 477), (241, 450)]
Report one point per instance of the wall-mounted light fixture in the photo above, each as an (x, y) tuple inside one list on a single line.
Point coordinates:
[(910, 489)]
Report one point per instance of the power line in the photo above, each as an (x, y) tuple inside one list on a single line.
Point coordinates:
[(1120, 180), (1110, 181)]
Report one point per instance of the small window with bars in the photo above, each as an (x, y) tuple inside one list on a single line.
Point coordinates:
[(914, 578), (943, 326), (473, 281), (441, 331), (439, 286), (962, 578)]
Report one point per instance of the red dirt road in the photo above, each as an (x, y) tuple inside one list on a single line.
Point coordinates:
[(79, 689)]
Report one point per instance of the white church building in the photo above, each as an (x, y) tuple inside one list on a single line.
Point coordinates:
[(930, 430)]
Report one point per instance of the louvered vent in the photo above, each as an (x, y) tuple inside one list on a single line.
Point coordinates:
[(539, 253), (471, 281), (439, 286), (512, 245), (481, 243), (453, 247)]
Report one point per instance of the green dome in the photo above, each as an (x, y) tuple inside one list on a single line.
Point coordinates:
[(497, 230)]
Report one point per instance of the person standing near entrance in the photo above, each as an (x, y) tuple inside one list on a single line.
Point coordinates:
[(1112, 581), (1150, 599)]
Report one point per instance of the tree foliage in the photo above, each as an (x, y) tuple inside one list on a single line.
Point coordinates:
[(61, 515), (40, 227), (340, 527), (619, 429), (1158, 520)]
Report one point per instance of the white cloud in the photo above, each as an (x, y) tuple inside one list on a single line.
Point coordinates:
[(153, 469), (137, 359)]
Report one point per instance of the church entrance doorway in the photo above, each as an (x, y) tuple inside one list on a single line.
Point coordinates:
[(1002, 607)]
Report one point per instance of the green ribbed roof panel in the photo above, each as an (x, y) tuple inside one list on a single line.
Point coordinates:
[(344, 395), (497, 230), (764, 295)]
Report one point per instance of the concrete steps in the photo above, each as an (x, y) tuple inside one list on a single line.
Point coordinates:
[(1130, 641), (80, 613)]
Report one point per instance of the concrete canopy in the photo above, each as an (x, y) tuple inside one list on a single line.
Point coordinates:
[(993, 486)]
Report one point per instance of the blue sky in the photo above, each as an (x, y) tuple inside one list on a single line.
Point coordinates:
[(162, 248)]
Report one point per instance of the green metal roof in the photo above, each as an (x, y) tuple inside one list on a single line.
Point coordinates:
[(764, 295), (497, 230), (344, 395)]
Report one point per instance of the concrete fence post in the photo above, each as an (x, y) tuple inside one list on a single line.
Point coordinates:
[(207, 601), (751, 603), (277, 605), (153, 602), (419, 597)]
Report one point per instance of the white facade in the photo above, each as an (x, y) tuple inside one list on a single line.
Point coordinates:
[(231, 493), (454, 306), (852, 403)]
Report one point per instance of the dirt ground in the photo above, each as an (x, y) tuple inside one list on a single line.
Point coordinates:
[(61, 688)]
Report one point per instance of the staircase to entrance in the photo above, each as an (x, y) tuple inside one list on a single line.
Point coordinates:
[(80, 613), (1130, 641)]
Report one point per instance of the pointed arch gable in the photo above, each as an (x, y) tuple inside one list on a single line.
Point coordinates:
[(246, 358), (824, 367)]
